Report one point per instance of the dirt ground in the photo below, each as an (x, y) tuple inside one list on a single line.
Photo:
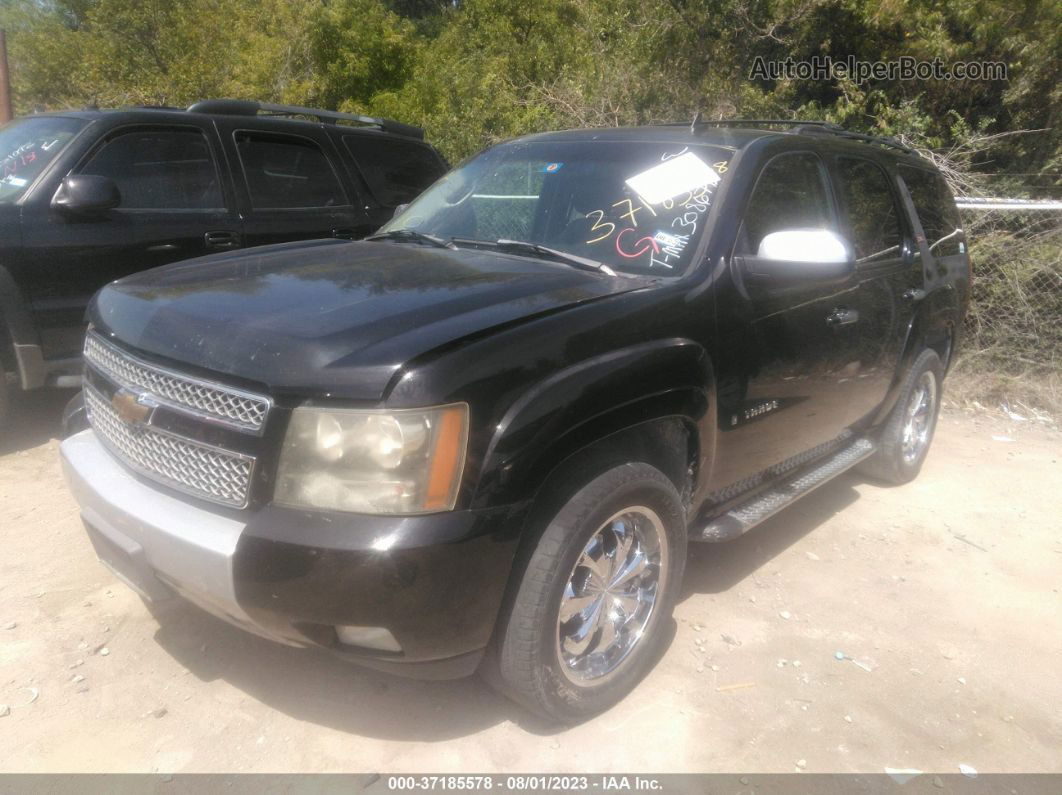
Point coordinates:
[(946, 589)]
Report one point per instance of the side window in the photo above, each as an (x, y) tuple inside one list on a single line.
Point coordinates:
[(160, 170), (396, 172), (789, 194), (287, 172), (870, 209), (936, 210)]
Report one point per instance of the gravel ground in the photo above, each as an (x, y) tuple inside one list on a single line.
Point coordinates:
[(942, 595)]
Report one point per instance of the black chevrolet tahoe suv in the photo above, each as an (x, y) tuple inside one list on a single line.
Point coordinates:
[(90, 196), (483, 437)]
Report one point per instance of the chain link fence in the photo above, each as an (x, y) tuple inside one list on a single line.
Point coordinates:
[(1013, 343)]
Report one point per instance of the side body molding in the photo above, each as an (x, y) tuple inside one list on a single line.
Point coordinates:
[(587, 401)]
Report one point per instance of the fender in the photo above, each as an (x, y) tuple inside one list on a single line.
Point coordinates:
[(586, 402)]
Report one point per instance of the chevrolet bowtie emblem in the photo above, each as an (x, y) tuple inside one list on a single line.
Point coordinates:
[(131, 408)]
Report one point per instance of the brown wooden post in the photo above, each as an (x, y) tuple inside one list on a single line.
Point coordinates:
[(6, 113)]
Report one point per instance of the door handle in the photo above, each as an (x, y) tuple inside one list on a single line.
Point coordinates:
[(842, 317), (222, 239), (343, 234), (914, 294)]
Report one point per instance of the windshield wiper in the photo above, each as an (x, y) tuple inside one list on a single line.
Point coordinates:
[(524, 247), (413, 235)]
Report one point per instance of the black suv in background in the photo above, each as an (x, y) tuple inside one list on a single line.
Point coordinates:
[(485, 435), (90, 196)]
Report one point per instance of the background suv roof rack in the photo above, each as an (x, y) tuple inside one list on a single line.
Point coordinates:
[(244, 107), (812, 126)]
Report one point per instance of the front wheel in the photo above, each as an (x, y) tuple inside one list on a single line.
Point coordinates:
[(596, 596), (908, 432)]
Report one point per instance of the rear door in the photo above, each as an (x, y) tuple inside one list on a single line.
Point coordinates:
[(887, 266), (288, 182), (174, 202), (942, 243)]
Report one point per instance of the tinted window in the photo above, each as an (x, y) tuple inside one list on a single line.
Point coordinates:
[(870, 209), (936, 210), (790, 194), (286, 172), (397, 172), (27, 146), (159, 170)]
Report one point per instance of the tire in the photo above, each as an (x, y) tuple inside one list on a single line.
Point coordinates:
[(569, 671), (901, 451)]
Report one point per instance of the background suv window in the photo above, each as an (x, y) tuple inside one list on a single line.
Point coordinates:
[(160, 170), (790, 194), (870, 209), (287, 172), (27, 146), (936, 210), (396, 172)]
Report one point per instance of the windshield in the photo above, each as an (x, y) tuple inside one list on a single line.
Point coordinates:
[(635, 206), (27, 146)]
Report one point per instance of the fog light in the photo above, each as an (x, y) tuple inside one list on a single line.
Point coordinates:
[(368, 637)]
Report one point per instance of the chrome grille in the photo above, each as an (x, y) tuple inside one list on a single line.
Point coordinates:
[(210, 401), (198, 469)]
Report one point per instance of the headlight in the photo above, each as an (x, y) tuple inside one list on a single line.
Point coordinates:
[(402, 461)]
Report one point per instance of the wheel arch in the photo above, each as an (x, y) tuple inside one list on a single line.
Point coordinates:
[(932, 326), (651, 399)]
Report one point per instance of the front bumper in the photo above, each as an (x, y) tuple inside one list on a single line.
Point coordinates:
[(436, 582)]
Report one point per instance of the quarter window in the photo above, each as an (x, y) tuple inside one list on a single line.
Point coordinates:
[(160, 170), (287, 172), (790, 194), (870, 210), (936, 210), (396, 172)]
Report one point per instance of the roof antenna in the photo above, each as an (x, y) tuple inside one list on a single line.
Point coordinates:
[(695, 122)]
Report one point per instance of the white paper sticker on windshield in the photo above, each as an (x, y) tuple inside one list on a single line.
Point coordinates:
[(679, 175)]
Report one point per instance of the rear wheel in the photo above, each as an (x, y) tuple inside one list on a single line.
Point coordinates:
[(907, 434), (591, 611)]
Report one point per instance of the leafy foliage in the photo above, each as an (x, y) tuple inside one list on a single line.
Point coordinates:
[(474, 71)]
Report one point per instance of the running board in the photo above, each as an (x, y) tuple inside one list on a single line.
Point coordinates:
[(747, 515)]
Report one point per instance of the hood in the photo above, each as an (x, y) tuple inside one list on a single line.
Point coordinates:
[(334, 318)]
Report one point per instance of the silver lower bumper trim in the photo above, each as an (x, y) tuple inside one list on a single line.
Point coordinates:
[(187, 547)]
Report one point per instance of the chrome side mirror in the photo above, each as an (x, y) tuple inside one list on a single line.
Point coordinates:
[(792, 258), (820, 246)]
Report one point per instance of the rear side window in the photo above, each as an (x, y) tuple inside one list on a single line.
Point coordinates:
[(790, 194), (936, 210), (160, 170), (397, 172), (287, 172), (870, 210)]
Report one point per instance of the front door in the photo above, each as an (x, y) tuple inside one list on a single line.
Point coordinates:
[(785, 371), (173, 207)]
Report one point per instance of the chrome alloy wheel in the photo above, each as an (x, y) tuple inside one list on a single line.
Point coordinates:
[(610, 595), (921, 411)]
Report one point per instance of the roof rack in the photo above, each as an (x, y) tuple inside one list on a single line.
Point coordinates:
[(813, 126), (244, 107)]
